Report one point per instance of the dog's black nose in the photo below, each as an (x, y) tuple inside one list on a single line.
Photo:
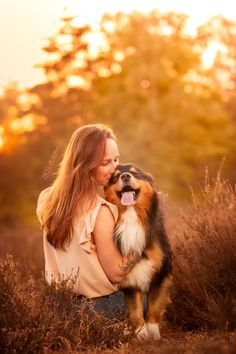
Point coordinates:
[(125, 177)]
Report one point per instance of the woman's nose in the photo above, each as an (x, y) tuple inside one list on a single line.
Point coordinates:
[(114, 164), (113, 167)]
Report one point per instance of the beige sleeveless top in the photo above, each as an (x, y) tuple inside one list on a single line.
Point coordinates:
[(79, 262)]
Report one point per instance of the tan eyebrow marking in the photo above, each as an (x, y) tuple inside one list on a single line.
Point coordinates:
[(117, 172), (133, 170)]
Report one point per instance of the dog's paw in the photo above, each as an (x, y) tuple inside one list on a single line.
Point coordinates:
[(142, 333), (153, 331), (127, 331)]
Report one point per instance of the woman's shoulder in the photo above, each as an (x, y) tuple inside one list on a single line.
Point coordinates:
[(43, 195), (100, 203), (113, 208), (41, 200), (104, 201), (87, 222)]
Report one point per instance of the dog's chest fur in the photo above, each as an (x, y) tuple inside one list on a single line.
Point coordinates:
[(140, 276), (131, 238), (130, 233)]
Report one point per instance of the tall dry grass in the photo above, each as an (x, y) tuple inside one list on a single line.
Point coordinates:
[(204, 291), (25, 244), (36, 317)]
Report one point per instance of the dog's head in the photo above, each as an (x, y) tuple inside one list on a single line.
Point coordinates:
[(129, 185)]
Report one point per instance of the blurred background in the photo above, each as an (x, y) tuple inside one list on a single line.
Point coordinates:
[(162, 74)]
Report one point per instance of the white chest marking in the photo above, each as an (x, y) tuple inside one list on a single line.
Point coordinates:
[(130, 234)]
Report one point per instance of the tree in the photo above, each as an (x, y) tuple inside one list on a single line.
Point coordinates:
[(146, 81), (161, 100), (223, 32)]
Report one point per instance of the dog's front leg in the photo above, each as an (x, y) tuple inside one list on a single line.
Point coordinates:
[(134, 300), (158, 298)]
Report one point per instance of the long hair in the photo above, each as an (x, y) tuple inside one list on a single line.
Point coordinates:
[(74, 190)]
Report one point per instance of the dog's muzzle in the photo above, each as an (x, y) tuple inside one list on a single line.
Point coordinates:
[(129, 193)]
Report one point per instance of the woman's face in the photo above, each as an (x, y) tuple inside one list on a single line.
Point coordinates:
[(107, 167)]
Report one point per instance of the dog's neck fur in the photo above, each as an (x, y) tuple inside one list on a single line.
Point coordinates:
[(130, 233)]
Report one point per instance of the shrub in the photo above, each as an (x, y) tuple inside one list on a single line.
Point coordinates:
[(204, 291), (36, 317), (25, 243)]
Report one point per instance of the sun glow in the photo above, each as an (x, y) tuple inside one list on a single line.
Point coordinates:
[(195, 17), (21, 125), (42, 17), (1, 138), (211, 52)]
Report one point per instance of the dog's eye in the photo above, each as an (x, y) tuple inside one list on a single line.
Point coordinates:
[(135, 173), (116, 177)]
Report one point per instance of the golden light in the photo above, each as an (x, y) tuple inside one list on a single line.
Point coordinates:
[(26, 123), (1, 142), (96, 43), (77, 81), (21, 125), (116, 68), (80, 61), (195, 17), (145, 84), (104, 72), (44, 16), (210, 53), (26, 100), (119, 56), (130, 50), (65, 43), (2, 130)]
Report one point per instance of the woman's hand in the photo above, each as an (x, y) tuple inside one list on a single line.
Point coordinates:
[(129, 262), (114, 264)]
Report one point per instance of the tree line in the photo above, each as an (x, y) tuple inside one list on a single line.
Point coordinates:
[(146, 79)]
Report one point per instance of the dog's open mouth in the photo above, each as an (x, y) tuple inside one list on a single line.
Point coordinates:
[(128, 195)]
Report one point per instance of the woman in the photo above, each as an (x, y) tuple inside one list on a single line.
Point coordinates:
[(78, 224)]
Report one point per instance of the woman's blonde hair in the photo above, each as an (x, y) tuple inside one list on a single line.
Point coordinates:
[(74, 189)]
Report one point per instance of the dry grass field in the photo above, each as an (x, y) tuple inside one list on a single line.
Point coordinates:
[(38, 318)]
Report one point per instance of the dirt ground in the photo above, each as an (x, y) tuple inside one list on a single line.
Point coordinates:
[(183, 343)]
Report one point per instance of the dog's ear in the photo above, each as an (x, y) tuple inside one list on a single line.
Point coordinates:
[(152, 181), (150, 178)]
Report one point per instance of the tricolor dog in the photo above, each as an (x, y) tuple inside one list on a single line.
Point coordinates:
[(140, 231)]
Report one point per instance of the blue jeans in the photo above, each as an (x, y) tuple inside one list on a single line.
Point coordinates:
[(112, 306)]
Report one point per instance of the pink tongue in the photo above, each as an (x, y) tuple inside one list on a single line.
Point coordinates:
[(127, 198)]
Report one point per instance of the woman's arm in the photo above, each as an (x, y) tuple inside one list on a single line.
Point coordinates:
[(114, 264)]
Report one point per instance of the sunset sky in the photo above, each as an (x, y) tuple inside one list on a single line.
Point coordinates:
[(25, 23)]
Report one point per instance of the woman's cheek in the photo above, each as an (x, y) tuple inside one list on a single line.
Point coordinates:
[(102, 171), (106, 170)]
